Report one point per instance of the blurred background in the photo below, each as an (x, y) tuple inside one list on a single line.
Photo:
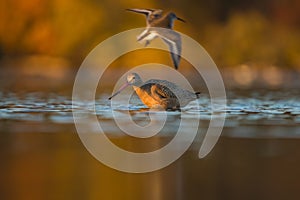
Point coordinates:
[(255, 44)]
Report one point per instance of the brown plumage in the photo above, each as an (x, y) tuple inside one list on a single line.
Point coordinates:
[(156, 93)]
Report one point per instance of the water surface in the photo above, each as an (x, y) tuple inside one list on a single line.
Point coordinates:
[(257, 156)]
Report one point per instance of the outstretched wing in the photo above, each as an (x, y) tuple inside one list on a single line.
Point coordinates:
[(147, 36), (151, 14), (142, 11), (173, 40)]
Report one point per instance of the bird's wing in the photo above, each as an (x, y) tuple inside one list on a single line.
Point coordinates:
[(147, 36), (164, 92), (142, 11), (173, 40), (151, 14), (144, 34)]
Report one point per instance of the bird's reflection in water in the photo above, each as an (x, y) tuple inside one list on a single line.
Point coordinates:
[(172, 121), (142, 118)]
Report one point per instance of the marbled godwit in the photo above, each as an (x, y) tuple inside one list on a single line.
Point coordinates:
[(159, 93), (155, 19)]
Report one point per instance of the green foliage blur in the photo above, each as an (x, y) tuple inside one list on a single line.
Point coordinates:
[(232, 31)]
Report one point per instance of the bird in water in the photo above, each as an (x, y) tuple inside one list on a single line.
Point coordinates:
[(161, 25), (159, 94)]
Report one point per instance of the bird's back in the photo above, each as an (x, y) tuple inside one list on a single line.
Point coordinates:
[(163, 21), (184, 96), (154, 17)]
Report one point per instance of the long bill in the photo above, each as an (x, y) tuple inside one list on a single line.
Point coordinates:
[(180, 19), (120, 90)]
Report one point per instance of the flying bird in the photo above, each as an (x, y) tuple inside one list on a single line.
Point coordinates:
[(161, 25)]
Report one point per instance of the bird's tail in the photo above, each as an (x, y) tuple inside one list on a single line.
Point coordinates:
[(197, 94)]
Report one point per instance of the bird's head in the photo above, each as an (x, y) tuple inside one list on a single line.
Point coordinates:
[(173, 16), (132, 79)]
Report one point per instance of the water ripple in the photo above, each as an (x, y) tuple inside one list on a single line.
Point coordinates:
[(252, 108)]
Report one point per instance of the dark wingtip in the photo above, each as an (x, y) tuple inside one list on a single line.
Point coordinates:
[(128, 9), (176, 65), (197, 94)]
